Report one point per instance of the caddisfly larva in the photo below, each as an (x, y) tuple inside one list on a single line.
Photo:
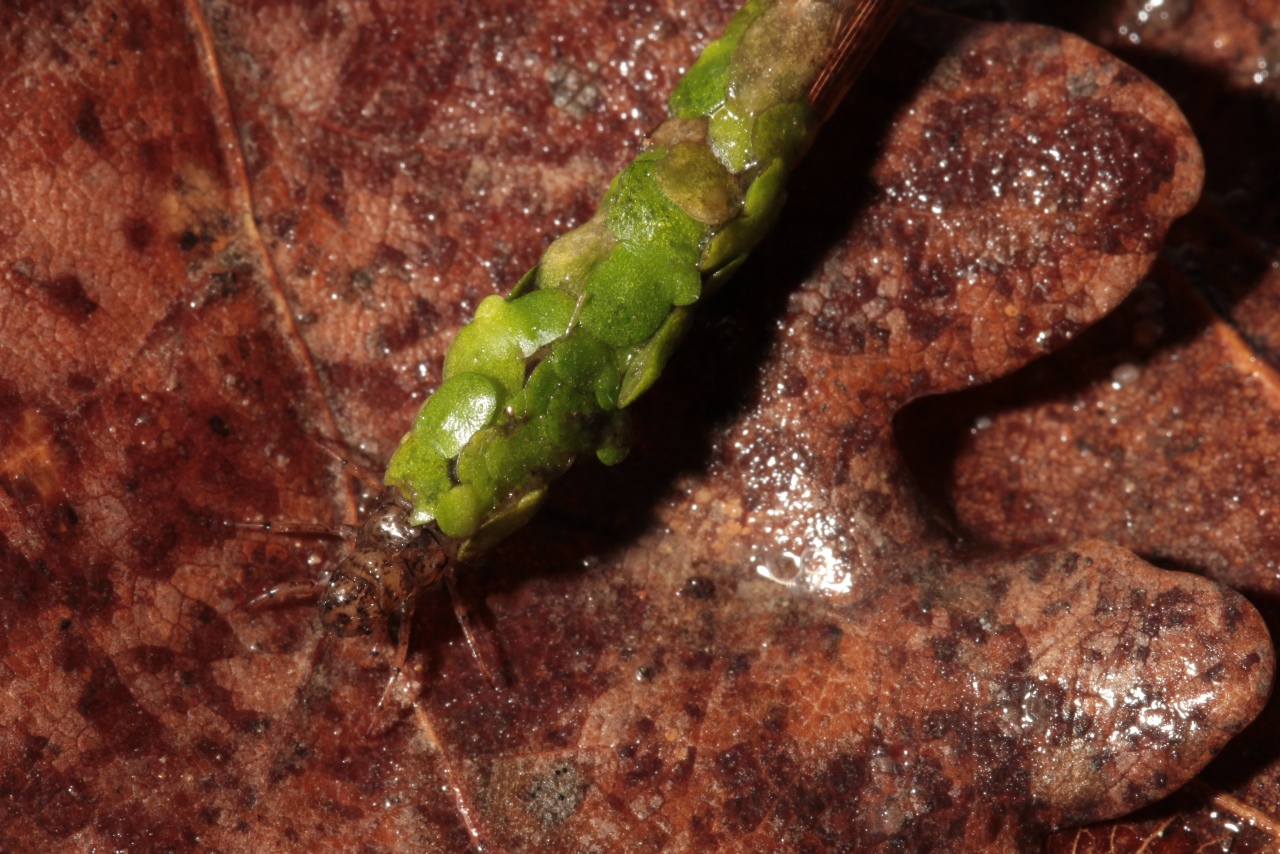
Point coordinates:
[(548, 372)]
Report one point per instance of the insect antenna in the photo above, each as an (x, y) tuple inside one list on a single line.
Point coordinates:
[(339, 531), (286, 734)]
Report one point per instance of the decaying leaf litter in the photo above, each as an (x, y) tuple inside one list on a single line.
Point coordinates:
[(657, 711), (1153, 430)]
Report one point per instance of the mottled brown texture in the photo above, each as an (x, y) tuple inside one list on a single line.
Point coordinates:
[(1197, 821), (233, 234), (1157, 429)]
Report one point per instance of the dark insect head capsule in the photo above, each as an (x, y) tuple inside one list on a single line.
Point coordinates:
[(390, 564), (351, 604)]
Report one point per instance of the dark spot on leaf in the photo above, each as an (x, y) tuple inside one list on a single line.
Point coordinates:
[(698, 660), (554, 795), (81, 383), (87, 125), (945, 649), (153, 546), (110, 707), (68, 295), (698, 587), (420, 322), (139, 234), (90, 592), (62, 522), (741, 775)]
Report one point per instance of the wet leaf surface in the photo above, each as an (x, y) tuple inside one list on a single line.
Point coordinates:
[(1156, 429), (1197, 819), (235, 236)]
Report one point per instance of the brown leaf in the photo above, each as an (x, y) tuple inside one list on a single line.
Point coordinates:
[(235, 234), (1156, 430), (1193, 821)]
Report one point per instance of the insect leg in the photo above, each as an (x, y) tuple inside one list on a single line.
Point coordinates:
[(298, 529), (291, 591), (405, 617), (459, 799), (464, 620)]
